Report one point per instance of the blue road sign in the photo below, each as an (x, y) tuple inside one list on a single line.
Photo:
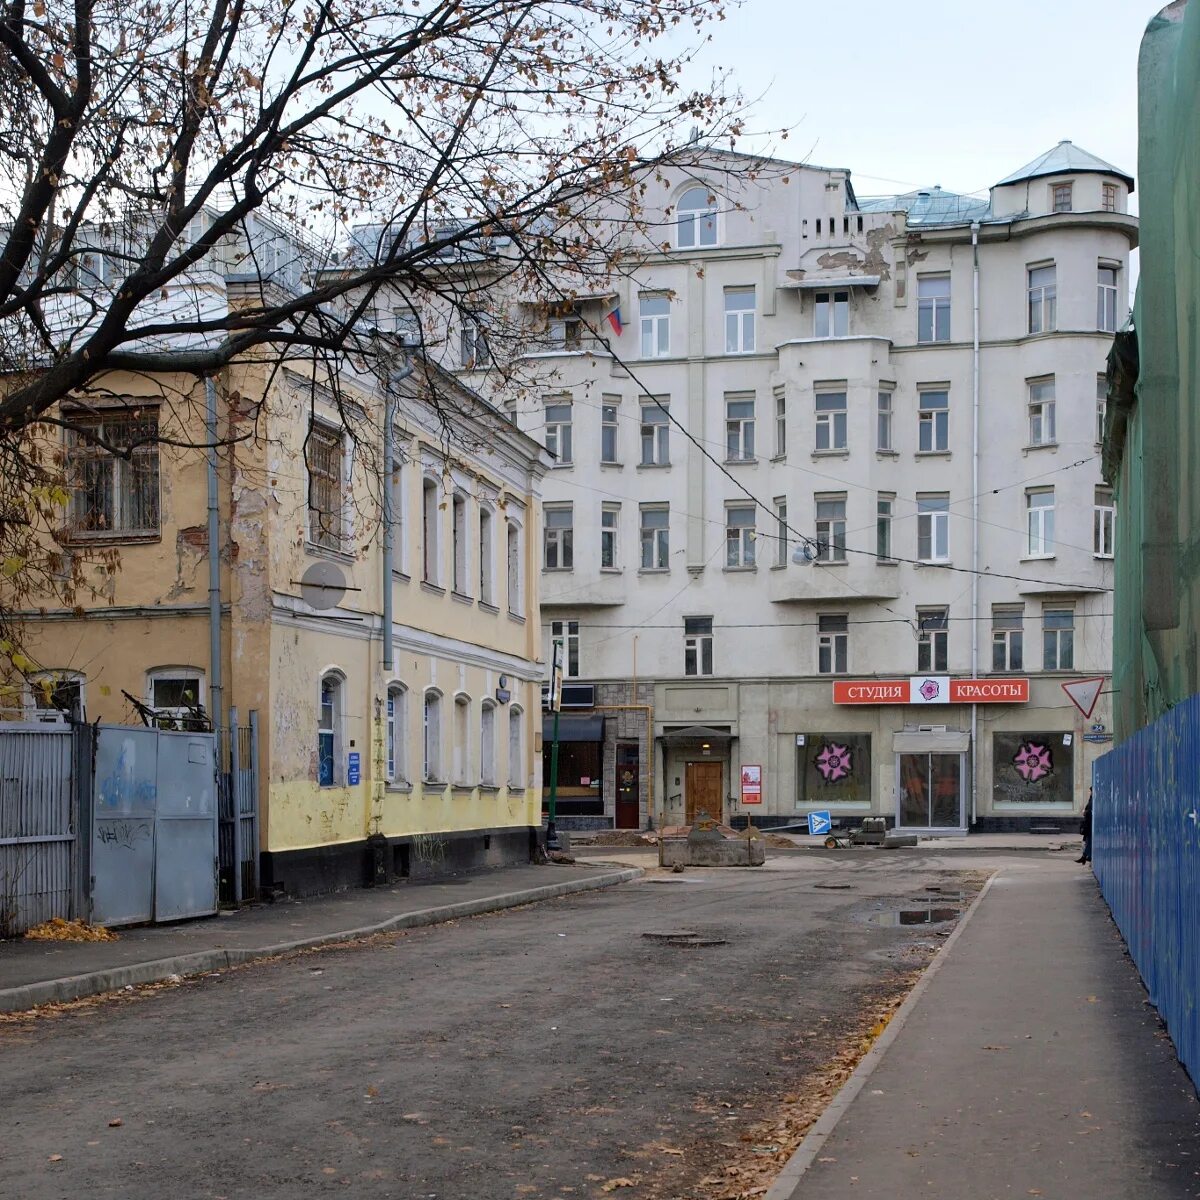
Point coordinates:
[(354, 768), (819, 823)]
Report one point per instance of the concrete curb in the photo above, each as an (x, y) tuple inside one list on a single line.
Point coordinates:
[(73, 987), (805, 1154)]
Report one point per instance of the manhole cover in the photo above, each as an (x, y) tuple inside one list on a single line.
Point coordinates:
[(914, 916), (683, 937)]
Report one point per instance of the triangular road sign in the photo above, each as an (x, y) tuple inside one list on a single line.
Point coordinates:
[(1083, 693)]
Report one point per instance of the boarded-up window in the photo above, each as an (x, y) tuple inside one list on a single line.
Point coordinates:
[(113, 493), (325, 491), (833, 768), (1032, 768)]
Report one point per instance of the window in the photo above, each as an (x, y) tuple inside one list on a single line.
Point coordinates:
[(656, 539), (433, 737), (459, 534), (1103, 515), (397, 732), (833, 644), (883, 419), (566, 632), (326, 488), (516, 758), (885, 506), (781, 531), (608, 430), (831, 529), (515, 599), (831, 421), (473, 347), (430, 520), (565, 329), (933, 422), (56, 695), (177, 696), (933, 527), (1060, 197), (780, 424), (696, 220), (933, 308), (558, 432), (656, 325), (1039, 522), (739, 427), (831, 314), (1108, 201), (487, 593), (1106, 299), (329, 720), (1008, 639), (656, 430), (559, 535), (739, 535), (462, 740), (1041, 412), (933, 639), (697, 646), (487, 744), (610, 520), (110, 494), (1043, 302), (1058, 639), (1101, 407), (739, 320), (399, 525)]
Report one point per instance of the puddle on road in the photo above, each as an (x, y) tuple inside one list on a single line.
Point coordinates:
[(914, 916)]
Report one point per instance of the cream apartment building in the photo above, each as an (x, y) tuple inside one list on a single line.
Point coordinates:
[(824, 442)]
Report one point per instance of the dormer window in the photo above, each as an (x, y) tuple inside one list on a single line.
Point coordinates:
[(696, 222), (1060, 197)]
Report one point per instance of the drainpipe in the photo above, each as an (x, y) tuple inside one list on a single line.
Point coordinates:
[(975, 514), (388, 515), (215, 684)]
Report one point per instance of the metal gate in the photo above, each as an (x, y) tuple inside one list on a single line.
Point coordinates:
[(153, 853), (239, 812)]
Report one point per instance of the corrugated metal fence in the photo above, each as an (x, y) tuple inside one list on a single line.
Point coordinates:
[(1146, 850), (239, 793)]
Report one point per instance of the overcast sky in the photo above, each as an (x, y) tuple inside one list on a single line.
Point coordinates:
[(951, 92)]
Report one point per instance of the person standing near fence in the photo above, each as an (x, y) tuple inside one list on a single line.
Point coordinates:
[(1085, 827)]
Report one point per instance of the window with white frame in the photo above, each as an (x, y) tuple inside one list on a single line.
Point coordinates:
[(487, 744), (462, 740), (473, 347), (459, 536), (656, 434), (831, 314), (933, 527), (329, 730), (609, 430), (739, 535), (933, 421), (781, 531), (56, 695), (1101, 407), (326, 487), (883, 420), (566, 632), (655, 316), (1060, 197), (739, 320), (177, 695), (1041, 412), (610, 522), (696, 218), (885, 511), (833, 643), (515, 572), (933, 639), (1103, 517), (1039, 522), (397, 733), (831, 528), (1106, 298), (559, 537), (398, 515), (830, 420), (780, 423), (516, 756), (432, 737), (1108, 197), (431, 520), (558, 431), (933, 308), (1008, 638), (697, 645), (487, 569), (113, 495), (656, 537), (1058, 639), (1043, 299), (739, 426)]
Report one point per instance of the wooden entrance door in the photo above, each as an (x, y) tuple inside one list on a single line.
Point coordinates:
[(628, 813), (702, 791)]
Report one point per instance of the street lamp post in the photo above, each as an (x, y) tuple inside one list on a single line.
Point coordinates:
[(556, 678)]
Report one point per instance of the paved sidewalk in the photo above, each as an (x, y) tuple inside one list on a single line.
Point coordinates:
[(36, 972), (1030, 1065)]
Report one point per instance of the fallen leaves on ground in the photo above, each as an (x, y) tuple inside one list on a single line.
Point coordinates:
[(613, 1184), (58, 929)]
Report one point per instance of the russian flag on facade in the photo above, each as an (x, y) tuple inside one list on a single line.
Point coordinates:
[(614, 319)]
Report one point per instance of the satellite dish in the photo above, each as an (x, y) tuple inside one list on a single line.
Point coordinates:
[(323, 585)]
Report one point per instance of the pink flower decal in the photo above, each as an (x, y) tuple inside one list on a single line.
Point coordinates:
[(834, 762), (1033, 761), (929, 689)]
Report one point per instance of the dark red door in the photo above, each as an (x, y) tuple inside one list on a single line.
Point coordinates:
[(628, 792)]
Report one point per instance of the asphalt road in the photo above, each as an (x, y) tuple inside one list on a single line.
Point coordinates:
[(539, 1052)]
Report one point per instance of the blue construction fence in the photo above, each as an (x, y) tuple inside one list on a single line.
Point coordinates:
[(1146, 852)]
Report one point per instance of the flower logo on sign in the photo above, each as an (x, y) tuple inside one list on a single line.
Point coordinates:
[(929, 689), (1033, 761), (834, 762)]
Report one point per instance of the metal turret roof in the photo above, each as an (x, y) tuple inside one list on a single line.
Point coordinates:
[(1066, 159)]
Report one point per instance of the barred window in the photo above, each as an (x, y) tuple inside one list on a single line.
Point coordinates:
[(113, 494), (325, 487)]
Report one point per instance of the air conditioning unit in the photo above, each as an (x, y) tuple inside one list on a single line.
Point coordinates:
[(931, 728)]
